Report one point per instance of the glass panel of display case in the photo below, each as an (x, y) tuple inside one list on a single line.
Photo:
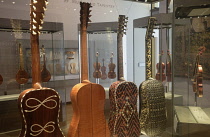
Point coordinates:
[(191, 67)]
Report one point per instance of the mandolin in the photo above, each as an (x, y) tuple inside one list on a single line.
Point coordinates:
[(111, 73), (198, 74), (45, 74), (124, 118), (160, 75), (168, 67), (103, 70), (39, 106), (87, 98), (21, 76), (97, 66)]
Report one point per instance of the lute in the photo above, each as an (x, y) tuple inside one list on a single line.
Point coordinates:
[(21, 76), (39, 106), (87, 98), (124, 118), (45, 74)]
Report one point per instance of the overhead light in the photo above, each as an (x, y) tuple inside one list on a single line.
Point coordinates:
[(2, 1), (13, 2), (75, 9), (110, 11)]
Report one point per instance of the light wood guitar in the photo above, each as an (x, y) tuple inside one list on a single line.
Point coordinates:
[(87, 98), (124, 118), (103, 70), (97, 66), (111, 73), (45, 74), (39, 106), (22, 76), (73, 68)]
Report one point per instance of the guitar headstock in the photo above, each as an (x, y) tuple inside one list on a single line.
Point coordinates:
[(150, 27), (122, 24), (85, 14), (38, 7)]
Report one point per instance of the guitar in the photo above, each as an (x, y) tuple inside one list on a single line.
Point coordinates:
[(103, 70), (168, 67), (39, 106), (97, 66), (198, 74), (160, 75), (21, 76), (73, 68), (151, 92), (124, 118), (45, 74), (87, 98), (111, 73)]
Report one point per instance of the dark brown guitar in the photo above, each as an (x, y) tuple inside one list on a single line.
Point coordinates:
[(87, 98), (168, 67), (97, 66), (39, 106), (45, 74), (160, 75), (124, 118), (103, 70), (111, 73), (21, 76), (198, 74)]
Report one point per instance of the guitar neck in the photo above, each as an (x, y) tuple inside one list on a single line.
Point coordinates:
[(21, 57), (84, 57), (36, 75), (120, 55)]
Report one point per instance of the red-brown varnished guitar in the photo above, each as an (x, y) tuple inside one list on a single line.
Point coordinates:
[(124, 118), (97, 66), (45, 74), (21, 76), (103, 70), (39, 106), (160, 75), (198, 74), (87, 98), (168, 67), (111, 73)]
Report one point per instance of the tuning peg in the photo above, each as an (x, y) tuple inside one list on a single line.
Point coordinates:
[(44, 8), (34, 7), (33, 26), (34, 33), (46, 2), (41, 21), (34, 14), (89, 20), (34, 1), (40, 27), (34, 21)]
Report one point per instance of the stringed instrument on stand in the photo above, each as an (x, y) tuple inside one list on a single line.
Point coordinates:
[(39, 106), (124, 118), (152, 108), (160, 75), (168, 67), (22, 76), (97, 66), (87, 98), (103, 70), (111, 73), (198, 74), (45, 74)]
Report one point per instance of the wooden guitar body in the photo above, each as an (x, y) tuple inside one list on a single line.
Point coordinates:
[(168, 71), (73, 68), (45, 75), (111, 73), (124, 118), (103, 70), (39, 110), (88, 106), (97, 72), (22, 76), (198, 82), (158, 75)]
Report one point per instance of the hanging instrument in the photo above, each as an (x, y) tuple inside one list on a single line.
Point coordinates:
[(111, 73), (22, 76), (160, 75), (103, 70), (45, 74), (97, 66), (87, 98), (124, 118), (168, 67), (39, 106)]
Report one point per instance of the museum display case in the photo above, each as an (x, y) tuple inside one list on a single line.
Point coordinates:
[(191, 67)]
